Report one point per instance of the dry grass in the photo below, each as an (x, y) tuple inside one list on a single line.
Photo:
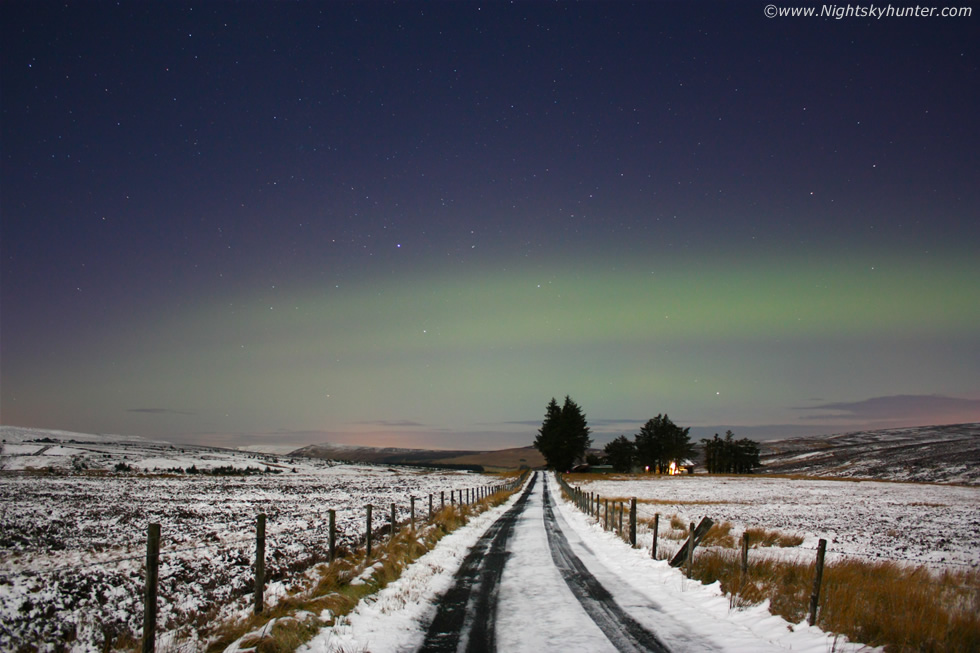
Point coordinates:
[(761, 537), (877, 603), (719, 535), (338, 587), (689, 502), (675, 529)]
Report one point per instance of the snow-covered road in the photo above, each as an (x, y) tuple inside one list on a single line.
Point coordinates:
[(535, 575)]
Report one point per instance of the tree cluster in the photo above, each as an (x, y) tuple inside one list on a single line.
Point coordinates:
[(730, 456), (563, 437), (659, 443)]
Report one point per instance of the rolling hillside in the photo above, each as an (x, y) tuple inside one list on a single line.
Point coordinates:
[(938, 454), (477, 460)]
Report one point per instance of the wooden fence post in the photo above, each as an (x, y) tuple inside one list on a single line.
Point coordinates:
[(369, 530), (656, 527), (605, 526), (680, 558), (394, 523), (333, 534), (690, 551), (745, 553), (430, 506), (442, 499), (259, 562), (622, 509), (817, 579), (633, 522), (150, 593), (411, 501)]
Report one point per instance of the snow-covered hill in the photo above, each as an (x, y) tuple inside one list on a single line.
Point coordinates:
[(40, 449), (936, 454)]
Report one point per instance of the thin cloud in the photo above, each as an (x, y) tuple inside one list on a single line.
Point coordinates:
[(159, 411), (391, 423), (898, 407), (592, 422)]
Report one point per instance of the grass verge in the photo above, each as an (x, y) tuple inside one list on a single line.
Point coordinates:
[(880, 603), (334, 589)]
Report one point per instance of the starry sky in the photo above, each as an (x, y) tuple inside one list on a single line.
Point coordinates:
[(413, 224)]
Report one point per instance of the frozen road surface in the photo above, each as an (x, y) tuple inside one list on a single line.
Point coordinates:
[(534, 575)]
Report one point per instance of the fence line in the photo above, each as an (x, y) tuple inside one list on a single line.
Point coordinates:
[(835, 551), (222, 545), (473, 495), (591, 505)]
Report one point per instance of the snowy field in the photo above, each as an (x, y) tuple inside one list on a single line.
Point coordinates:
[(934, 525), (72, 546)]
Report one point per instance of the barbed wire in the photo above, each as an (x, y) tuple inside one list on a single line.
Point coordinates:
[(54, 570)]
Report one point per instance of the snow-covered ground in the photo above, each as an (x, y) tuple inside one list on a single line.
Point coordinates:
[(947, 453), (72, 545), (935, 525), (537, 613)]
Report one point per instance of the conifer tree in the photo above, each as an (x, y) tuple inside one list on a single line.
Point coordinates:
[(661, 442), (730, 456), (563, 437), (547, 438), (621, 454)]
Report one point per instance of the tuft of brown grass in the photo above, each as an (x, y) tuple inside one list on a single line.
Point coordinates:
[(285, 635), (719, 535), (762, 537), (879, 603)]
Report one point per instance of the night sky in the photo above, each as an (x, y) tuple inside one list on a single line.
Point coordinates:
[(413, 224)]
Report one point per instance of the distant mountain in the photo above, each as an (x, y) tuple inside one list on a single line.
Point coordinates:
[(938, 454), (500, 459), (478, 460), (375, 455), (16, 434)]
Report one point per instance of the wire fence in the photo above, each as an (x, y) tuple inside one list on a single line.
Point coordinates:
[(626, 518), (103, 602), (618, 506)]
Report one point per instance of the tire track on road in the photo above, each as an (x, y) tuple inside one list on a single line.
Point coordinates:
[(623, 631), (467, 613)]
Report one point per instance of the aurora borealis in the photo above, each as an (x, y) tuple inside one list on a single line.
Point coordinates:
[(413, 224)]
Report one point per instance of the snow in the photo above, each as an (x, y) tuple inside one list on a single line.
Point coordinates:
[(537, 611), (915, 523), (72, 544)]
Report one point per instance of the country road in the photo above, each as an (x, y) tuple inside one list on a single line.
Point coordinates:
[(536, 575), (538, 593)]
